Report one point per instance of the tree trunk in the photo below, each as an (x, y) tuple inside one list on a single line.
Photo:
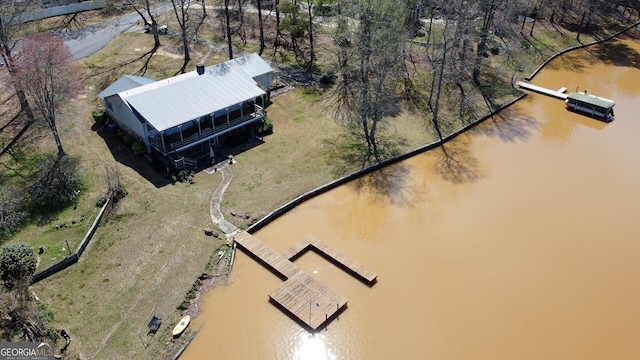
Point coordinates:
[(56, 137), (312, 54), (261, 26), (181, 11), (488, 19), (276, 42), (436, 108), (228, 23)]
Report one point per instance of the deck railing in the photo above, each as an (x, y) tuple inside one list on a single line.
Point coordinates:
[(156, 142), (184, 163)]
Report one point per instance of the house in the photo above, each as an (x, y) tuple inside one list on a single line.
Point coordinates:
[(185, 118)]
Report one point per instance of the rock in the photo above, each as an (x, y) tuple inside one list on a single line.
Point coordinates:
[(208, 232)]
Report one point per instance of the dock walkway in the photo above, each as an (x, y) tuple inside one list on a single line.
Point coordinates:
[(306, 298), (559, 94), (311, 241)]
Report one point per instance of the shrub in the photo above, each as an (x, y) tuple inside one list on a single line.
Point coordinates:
[(138, 148), (127, 139), (56, 182), (328, 79), (99, 115), (265, 127), (12, 211), (17, 262), (185, 176), (101, 201)]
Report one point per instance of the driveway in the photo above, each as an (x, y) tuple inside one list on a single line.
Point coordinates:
[(89, 40)]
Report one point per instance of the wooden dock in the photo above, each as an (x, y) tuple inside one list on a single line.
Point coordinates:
[(311, 241), (269, 256), (304, 297), (308, 299), (558, 94)]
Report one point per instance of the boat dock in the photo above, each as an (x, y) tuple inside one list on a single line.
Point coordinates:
[(558, 94), (336, 256), (304, 297)]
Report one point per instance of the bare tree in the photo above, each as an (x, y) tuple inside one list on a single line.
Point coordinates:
[(489, 8), (370, 62), (48, 77), (227, 17), (12, 210), (9, 27), (276, 41), (146, 6), (261, 27), (440, 66), (56, 182), (312, 52), (181, 10)]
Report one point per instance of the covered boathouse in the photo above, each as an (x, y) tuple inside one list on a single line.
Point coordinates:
[(591, 105), (186, 118)]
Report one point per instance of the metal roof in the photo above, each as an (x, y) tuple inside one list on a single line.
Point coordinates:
[(591, 99), (173, 101), (126, 82), (252, 64), (178, 102)]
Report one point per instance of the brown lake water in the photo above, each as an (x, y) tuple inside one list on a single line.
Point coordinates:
[(520, 241)]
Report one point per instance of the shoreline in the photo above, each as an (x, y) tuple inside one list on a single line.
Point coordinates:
[(195, 308)]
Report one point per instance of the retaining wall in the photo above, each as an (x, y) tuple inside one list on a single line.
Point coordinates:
[(75, 257), (343, 180), (536, 71)]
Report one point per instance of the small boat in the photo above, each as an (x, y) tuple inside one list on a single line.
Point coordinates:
[(591, 105), (184, 322)]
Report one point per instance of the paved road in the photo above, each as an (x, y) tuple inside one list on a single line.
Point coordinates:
[(88, 40)]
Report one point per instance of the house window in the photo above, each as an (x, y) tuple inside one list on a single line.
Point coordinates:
[(109, 105)]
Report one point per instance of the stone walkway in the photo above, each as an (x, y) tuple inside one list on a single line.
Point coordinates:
[(214, 208)]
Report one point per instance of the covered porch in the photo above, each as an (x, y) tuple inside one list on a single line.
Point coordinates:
[(205, 128)]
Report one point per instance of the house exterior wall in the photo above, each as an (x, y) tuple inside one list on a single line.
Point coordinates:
[(121, 113)]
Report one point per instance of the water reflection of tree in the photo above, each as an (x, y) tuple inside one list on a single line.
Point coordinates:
[(389, 182), (616, 52), (457, 163), (509, 125)]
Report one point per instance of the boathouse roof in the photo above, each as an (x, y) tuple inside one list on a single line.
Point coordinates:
[(591, 99)]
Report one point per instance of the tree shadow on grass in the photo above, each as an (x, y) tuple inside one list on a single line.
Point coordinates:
[(348, 150), (509, 125), (120, 68), (349, 153)]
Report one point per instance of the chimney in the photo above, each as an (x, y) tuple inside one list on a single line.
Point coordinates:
[(200, 68)]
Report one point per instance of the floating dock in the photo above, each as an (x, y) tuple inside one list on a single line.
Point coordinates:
[(558, 94), (304, 297)]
